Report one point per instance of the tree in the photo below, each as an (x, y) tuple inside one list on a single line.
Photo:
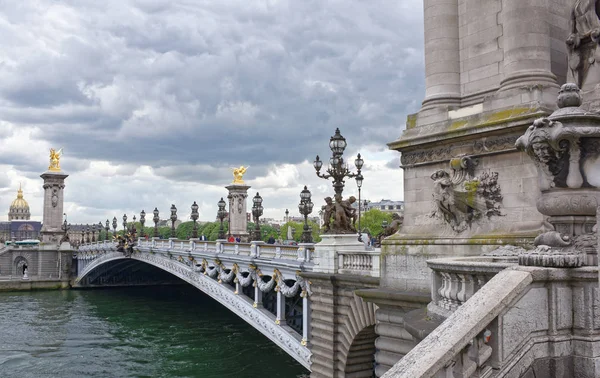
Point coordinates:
[(371, 220), (299, 228)]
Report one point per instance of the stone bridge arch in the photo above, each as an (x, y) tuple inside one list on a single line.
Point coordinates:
[(342, 331), (264, 322)]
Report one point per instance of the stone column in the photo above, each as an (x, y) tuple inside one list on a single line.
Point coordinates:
[(238, 222), (527, 44), (442, 54), (54, 185), (280, 309)]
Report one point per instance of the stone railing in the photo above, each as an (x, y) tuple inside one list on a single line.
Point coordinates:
[(460, 347), (363, 263), (455, 280), (302, 252)]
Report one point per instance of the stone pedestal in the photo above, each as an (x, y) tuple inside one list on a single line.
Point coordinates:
[(54, 185), (326, 251), (238, 223)]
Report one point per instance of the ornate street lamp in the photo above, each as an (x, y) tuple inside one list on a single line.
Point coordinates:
[(93, 233), (142, 221), (87, 233), (338, 171), (287, 215), (221, 214), (257, 211), (100, 228), (124, 224), (173, 220), (82, 235), (306, 207), (195, 218), (156, 219), (359, 182), (65, 227), (132, 228), (107, 228), (114, 224)]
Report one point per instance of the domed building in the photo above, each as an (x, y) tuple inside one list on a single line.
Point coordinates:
[(19, 208), (19, 225)]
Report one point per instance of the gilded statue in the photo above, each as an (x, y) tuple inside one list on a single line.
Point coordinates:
[(55, 160), (582, 44), (238, 173)]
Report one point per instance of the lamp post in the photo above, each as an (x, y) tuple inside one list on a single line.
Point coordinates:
[(287, 215), (132, 230), (221, 214), (100, 228), (87, 233), (305, 207), (173, 220), (257, 211), (195, 218), (65, 227), (93, 232), (82, 235), (230, 199), (107, 228), (114, 224), (124, 224), (155, 219), (338, 170), (359, 182), (142, 222)]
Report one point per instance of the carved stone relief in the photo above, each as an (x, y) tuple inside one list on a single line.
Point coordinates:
[(480, 146), (461, 198)]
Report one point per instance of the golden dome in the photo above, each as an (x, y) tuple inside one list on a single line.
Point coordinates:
[(19, 202)]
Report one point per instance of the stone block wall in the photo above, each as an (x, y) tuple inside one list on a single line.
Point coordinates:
[(41, 264), (342, 337)]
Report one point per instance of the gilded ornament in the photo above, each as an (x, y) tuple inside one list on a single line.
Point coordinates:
[(55, 160), (238, 173)]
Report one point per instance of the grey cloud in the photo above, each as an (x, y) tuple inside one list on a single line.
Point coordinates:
[(216, 83)]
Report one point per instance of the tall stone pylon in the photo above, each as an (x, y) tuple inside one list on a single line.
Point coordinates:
[(54, 185), (238, 192)]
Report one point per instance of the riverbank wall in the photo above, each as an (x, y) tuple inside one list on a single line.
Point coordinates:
[(22, 285)]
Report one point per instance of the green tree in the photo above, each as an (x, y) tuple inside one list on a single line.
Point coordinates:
[(299, 228), (371, 220)]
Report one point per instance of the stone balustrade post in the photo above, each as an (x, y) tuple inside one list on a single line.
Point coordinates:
[(305, 318), (304, 251), (171, 243), (219, 245), (193, 242), (257, 295), (255, 248), (280, 309)]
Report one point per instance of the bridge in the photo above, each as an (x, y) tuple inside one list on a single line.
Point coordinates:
[(262, 283)]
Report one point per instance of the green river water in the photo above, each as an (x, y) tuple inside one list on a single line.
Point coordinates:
[(171, 331)]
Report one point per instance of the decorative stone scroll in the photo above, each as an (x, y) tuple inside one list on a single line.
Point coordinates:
[(461, 198)]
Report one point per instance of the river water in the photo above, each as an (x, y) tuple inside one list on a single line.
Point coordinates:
[(171, 331)]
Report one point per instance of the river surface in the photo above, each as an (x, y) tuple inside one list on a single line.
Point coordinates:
[(171, 331)]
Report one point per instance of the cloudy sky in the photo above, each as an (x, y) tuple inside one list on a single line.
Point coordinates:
[(154, 100)]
